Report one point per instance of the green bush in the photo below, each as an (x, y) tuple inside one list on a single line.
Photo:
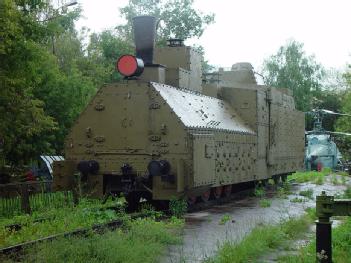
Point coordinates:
[(178, 207)]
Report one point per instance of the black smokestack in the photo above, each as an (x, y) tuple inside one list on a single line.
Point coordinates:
[(144, 37)]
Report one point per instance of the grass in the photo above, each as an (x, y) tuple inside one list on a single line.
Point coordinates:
[(38, 202), (261, 240), (307, 193), (297, 200), (259, 192), (318, 177), (342, 173), (56, 221), (310, 176), (347, 193), (335, 180), (141, 240), (343, 180), (341, 243), (265, 203), (311, 212), (224, 219), (284, 190), (178, 207), (338, 179)]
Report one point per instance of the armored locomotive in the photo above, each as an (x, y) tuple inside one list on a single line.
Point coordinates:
[(164, 132)]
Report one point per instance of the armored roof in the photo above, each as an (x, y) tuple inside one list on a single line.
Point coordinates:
[(199, 111)]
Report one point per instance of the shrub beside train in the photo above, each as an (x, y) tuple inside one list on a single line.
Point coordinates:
[(165, 132)]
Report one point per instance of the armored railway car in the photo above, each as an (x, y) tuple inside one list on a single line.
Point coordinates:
[(165, 132)]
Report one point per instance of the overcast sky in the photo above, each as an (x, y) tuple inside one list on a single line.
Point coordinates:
[(251, 30)]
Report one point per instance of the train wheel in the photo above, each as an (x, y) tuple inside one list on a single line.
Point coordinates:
[(192, 200), (217, 192), (205, 197), (227, 190)]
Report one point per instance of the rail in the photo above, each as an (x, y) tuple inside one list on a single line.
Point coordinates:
[(97, 228)]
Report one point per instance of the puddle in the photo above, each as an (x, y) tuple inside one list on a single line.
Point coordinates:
[(196, 218), (204, 232)]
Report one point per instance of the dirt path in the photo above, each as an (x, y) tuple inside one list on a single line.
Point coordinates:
[(205, 231)]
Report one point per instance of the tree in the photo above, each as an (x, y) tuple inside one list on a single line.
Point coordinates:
[(206, 67), (24, 126), (343, 124), (103, 51), (177, 18), (44, 75), (291, 68), (330, 100)]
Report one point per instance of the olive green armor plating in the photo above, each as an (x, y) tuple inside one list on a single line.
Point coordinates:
[(223, 130)]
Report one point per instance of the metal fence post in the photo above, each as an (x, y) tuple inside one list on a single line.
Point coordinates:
[(324, 210), (324, 242)]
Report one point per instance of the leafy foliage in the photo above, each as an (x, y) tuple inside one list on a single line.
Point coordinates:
[(48, 74), (23, 120), (178, 207), (178, 18), (45, 78), (103, 51), (291, 68), (343, 124)]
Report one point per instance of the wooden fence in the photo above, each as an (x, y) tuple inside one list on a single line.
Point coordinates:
[(19, 198)]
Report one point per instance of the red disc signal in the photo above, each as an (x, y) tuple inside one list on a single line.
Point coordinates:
[(129, 66)]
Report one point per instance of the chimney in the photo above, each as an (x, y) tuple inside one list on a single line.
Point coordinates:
[(144, 37)]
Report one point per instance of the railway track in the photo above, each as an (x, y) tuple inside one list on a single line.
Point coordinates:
[(97, 228), (18, 227), (111, 225)]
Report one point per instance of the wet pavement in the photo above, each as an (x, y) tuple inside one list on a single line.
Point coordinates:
[(205, 231)]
